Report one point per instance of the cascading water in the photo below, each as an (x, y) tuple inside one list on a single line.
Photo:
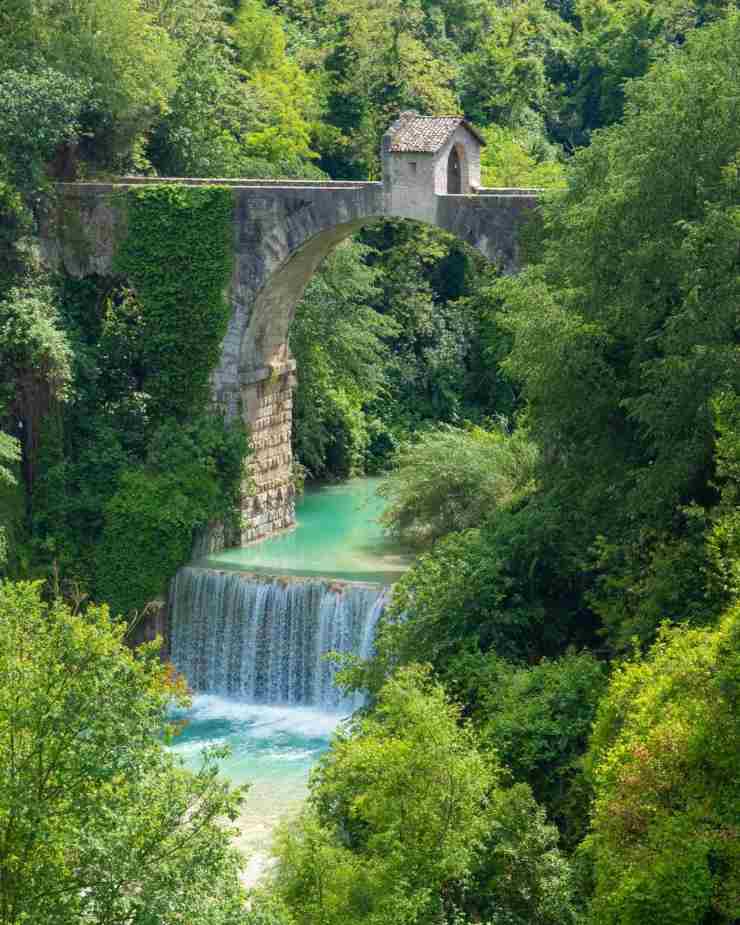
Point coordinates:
[(251, 646), (264, 640)]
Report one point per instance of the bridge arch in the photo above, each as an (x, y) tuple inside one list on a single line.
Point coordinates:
[(282, 231), (265, 370)]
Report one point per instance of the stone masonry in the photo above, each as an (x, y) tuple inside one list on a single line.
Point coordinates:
[(282, 231)]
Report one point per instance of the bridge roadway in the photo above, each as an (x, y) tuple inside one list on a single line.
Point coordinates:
[(283, 229)]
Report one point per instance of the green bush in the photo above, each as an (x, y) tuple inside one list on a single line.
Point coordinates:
[(192, 477), (98, 819), (452, 479), (663, 764)]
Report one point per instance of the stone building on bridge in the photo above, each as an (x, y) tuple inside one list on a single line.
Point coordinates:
[(427, 156)]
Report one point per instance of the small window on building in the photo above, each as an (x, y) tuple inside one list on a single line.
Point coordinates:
[(412, 166)]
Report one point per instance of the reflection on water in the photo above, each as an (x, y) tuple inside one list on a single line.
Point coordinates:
[(272, 749)]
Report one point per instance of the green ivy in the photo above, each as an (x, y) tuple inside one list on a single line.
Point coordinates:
[(191, 477), (140, 460), (178, 256)]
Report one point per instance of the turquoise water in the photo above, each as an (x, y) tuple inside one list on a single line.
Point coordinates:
[(338, 536), (273, 748)]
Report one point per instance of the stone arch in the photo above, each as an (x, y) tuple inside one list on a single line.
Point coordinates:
[(267, 374), (263, 349)]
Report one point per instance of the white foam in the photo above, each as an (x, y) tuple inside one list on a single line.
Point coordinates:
[(264, 721)]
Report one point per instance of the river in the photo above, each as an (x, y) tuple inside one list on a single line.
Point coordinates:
[(249, 629)]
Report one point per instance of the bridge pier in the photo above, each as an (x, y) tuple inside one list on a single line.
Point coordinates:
[(268, 504)]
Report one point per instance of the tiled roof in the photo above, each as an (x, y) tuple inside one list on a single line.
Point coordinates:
[(412, 132)]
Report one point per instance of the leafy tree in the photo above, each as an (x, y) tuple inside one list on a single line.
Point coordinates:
[(36, 361), (213, 108), (398, 810), (516, 159), (285, 96), (624, 328), (523, 878), (662, 761), (406, 822), (40, 113), (190, 479), (425, 275), (619, 41), (507, 77), (378, 64), (538, 719), (98, 821), (10, 454), (337, 339), (451, 479)]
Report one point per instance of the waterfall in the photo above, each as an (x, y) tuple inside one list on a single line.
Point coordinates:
[(263, 639)]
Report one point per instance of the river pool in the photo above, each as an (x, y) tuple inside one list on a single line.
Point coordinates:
[(338, 536)]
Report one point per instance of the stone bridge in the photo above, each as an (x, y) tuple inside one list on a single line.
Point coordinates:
[(283, 229)]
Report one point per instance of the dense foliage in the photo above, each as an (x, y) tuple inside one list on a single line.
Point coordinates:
[(405, 811), (98, 822), (106, 382), (551, 732), (177, 257), (663, 761)]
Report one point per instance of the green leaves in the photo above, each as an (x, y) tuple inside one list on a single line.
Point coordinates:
[(178, 256), (662, 762), (98, 822), (453, 479), (403, 797), (39, 112), (192, 476)]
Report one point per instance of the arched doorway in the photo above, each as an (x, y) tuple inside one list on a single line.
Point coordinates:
[(454, 173)]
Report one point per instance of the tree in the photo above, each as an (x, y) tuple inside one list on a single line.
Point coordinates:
[(40, 113), (522, 877), (407, 823), (519, 159), (538, 719), (450, 480), (338, 340), (662, 761), (398, 811), (624, 325), (618, 41), (507, 77), (36, 361), (377, 64), (117, 47), (99, 822), (10, 454)]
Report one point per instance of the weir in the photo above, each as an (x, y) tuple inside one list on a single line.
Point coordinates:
[(255, 624), (264, 640)]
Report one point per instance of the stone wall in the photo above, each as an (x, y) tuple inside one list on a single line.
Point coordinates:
[(268, 504)]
